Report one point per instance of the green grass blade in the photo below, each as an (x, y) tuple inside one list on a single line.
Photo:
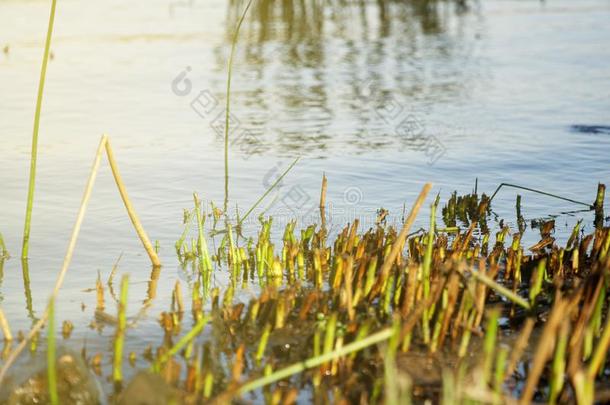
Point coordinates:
[(296, 368), (271, 187), (181, 343)]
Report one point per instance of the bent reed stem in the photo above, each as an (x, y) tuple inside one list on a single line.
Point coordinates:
[(104, 144)]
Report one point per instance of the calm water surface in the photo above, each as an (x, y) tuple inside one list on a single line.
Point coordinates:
[(380, 96)]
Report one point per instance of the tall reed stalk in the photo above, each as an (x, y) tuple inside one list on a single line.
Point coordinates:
[(228, 103), (34, 153)]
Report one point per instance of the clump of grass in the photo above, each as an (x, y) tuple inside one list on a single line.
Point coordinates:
[(324, 303)]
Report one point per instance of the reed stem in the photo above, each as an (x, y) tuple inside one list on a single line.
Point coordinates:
[(130, 210), (5, 328), (119, 342), (34, 154), (533, 190), (400, 240), (271, 187), (51, 356), (228, 104)]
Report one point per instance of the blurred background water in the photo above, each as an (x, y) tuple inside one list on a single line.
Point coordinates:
[(381, 96)]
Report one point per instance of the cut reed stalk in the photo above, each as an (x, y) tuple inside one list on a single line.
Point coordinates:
[(34, 153), (323, 201), (119, 340), (402, 236), (51, 356), (599, 198), (601, 351), (559, 364), (426, 269), (262, 345), (5, 328), (202, 245), (133, 216)]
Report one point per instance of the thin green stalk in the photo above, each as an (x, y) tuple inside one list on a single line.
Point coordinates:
[(559, 365), (181, 343), (599, 355), (51, 370), (119, 341), (271, 187), (262, 344), (536, 287), (34, 153), (466, 334), (296, 368), (227, 109), (500, 371), (392, 387), (188, 216), (4, 326), (202, 245), (426, 269), (329, 337)]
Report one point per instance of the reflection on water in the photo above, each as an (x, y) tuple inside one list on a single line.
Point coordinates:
[(308, 64)]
